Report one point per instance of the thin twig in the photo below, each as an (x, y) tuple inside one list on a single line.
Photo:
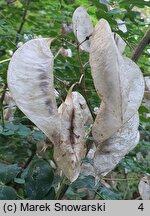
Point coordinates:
[(62, 190), (3, 94), (20, 197), (139, 49), (87, 38), (64, 40), (83, 87), (1, 104), (66, 83), (146, 74), (118, 179), (5, 60), (127, 189), (29, 160), (24, 16)]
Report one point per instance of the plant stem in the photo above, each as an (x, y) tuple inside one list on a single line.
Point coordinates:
[(125, 179), (29, 159), (66, 41), (3, 94), (1, 104), (23, 20), (20, 197), (139, 49), (5, 60), (83, 87), (62, 190)]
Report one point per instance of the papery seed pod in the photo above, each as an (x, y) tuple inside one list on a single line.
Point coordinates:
[(119, 41), (144, 188), (147, 92), (119, 83), (30, 80), (112, 150), (82, 27), (74, 114), (65, 52), (66, 29)]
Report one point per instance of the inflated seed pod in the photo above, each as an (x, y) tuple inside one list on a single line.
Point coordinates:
[(30, 80), (74, 115), (119, 83), (82, 27)]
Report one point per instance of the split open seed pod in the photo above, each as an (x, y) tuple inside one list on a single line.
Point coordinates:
[(74, 115)]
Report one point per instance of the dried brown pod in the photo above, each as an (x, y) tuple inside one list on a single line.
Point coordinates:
[(74, 114)]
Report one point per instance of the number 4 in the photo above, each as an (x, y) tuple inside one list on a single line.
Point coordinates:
[(141, 207)]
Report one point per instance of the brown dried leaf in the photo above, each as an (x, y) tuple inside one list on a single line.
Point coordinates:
[(82, 27), (30, 80)]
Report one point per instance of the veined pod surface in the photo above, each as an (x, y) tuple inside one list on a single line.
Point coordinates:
[(30, 80), (119, 83), (147, 92), (82, 27), (74, 114), (119, 41)]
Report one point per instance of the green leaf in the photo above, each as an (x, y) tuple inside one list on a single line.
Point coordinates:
[(9, 129), (135, 2), (71, 195), (143, 119), (115, 11), (7, 193), (39, 179), (88, 182), (101, 5), (19, 181), (2, 22), (143, 109), (23, 130), (8, 172), (1, 129), (106, 2), (38, 135), (108, 194), (51, 195), (102, 14)]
